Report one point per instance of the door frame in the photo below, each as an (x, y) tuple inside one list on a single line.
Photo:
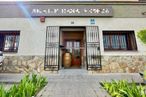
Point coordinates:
[(71, 28), (73, 40)]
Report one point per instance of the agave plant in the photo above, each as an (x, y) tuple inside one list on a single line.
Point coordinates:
[(28, 87), (124, 89), (2, 91)]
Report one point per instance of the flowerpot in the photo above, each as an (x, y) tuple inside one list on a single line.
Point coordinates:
[(67, 60)]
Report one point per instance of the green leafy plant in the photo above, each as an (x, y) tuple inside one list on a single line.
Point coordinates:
[(145, 74), (2, 91), (28, 87), (142, 35), (124, 89)]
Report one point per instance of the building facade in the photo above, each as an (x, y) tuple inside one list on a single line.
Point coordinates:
[(100, 36)]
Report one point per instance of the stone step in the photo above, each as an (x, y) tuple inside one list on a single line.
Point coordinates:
[(73, 72)]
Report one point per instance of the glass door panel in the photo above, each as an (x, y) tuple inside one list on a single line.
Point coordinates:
[(73, 47)]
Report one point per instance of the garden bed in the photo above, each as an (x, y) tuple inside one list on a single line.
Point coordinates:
[(29, 86), (124, 89)]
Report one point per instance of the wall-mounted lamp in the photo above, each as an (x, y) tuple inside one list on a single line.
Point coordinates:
[(143, 13), (42, 19)]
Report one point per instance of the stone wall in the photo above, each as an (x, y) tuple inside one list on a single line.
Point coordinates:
[(123, 64), (110, 64), (22, 64)]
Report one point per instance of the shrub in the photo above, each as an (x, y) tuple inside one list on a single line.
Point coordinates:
[(28, 87), (144, 74), (142, 35), (2, 91), (124, 89)]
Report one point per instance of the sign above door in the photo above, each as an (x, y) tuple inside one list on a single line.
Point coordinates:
[(70, 10)]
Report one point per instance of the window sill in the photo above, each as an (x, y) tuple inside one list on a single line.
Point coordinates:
[(120, 50), (7, 52), (121, 53)]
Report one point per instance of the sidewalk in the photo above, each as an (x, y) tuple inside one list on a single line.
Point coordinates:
[(75, 84)]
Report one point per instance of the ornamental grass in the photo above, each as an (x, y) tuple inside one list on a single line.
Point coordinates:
[(124, 89), (29, 86)]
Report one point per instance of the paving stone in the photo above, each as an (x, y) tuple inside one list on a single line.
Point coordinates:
[(75, 83)]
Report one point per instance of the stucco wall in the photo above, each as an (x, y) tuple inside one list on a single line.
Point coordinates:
[(32, 32)]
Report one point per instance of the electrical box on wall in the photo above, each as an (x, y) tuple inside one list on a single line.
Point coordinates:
[(42, 19)]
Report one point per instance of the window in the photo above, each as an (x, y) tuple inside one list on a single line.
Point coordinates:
[(119, 40), (9, 41)]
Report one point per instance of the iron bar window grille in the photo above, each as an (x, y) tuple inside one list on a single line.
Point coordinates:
[(51, 61), (119, 40), (9, 41), (93, 48)]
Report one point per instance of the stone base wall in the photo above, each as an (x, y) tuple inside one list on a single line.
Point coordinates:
[(123, 64), (23, 64), (110, 64)]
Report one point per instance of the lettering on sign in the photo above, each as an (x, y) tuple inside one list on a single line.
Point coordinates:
[(70, 10)]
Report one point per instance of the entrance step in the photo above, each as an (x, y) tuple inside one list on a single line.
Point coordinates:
[(73, 72)]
